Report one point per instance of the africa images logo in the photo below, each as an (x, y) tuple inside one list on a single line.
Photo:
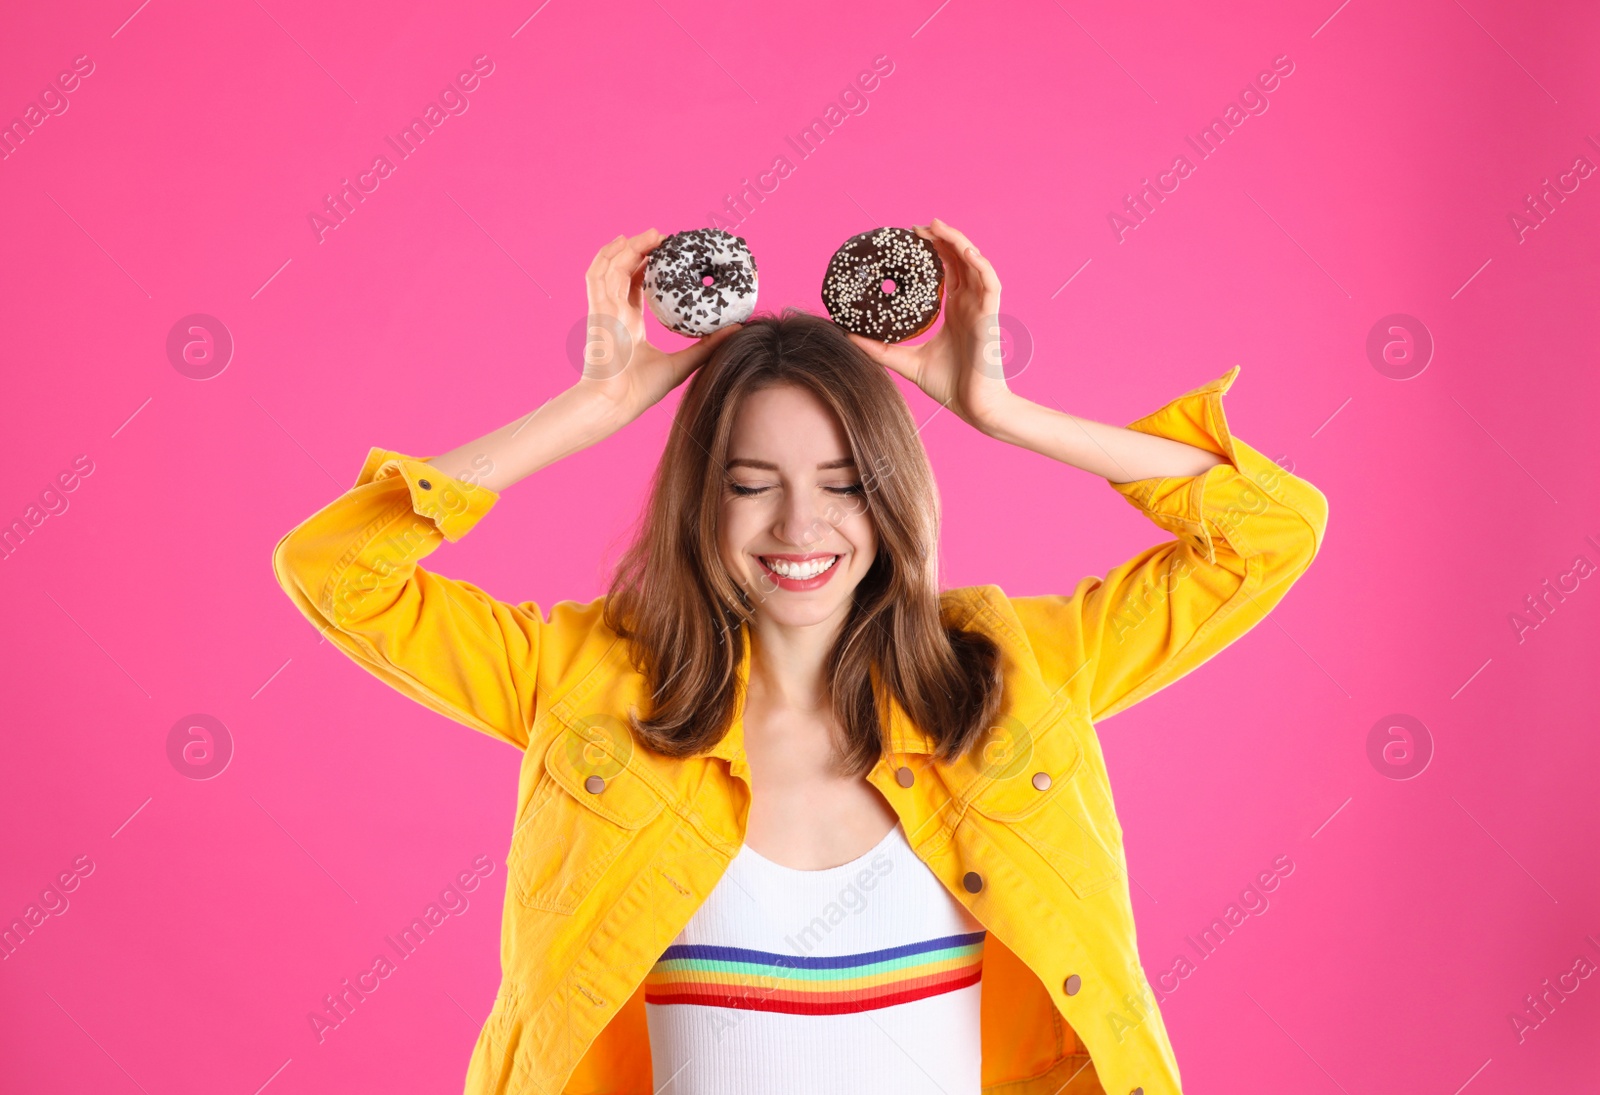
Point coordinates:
[(1253, 100), (337, 206)]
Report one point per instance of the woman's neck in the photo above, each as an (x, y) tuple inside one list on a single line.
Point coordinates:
[(786, 663)]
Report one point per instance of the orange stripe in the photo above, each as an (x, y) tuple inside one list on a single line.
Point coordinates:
[(816, 1003)]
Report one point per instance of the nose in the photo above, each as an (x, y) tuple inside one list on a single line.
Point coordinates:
[(803, 521)]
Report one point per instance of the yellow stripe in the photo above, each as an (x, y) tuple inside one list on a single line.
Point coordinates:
[(777, 978)]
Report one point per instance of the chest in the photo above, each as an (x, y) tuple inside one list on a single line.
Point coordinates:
[(803, 813), (807, 980), (618, 852)]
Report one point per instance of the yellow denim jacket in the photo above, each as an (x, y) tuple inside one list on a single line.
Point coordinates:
[(614, 846)]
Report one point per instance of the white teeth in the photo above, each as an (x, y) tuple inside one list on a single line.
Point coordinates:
[(800, 571)]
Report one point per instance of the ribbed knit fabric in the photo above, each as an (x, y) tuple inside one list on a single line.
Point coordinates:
[(862, 978)]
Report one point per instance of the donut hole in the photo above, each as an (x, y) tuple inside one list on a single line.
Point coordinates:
[(707, 279), (888, 286)]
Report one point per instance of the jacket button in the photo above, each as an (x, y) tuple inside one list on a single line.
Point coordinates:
[(904, 776), (1074, 983), (424, 484), (1041, 780), (973, 881), (594, 785)]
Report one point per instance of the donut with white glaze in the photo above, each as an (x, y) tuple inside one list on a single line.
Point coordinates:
[(700, 281)]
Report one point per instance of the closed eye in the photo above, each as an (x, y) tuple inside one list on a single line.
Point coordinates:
[(745, 492)]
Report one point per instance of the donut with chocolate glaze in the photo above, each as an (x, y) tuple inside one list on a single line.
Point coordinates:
[(700, 281), (886, 284)]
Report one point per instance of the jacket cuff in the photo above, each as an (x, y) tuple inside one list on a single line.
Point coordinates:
[(453, 505), (1202, 510)]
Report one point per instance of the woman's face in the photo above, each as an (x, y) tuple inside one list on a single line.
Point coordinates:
[(795, 529)]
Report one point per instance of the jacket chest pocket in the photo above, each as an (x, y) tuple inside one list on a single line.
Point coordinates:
[(585, 809), (1047, 798)]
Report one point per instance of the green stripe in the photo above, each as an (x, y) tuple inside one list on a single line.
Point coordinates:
[(761, 969)]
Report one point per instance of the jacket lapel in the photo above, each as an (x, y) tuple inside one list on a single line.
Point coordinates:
[(1029, 711)]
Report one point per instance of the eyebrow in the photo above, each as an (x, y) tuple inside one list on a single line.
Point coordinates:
[(767, 465)]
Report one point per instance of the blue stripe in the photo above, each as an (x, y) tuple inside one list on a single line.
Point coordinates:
[(837, 962)]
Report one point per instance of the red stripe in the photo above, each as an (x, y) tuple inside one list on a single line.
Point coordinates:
[(734, 990), (808, 1004)]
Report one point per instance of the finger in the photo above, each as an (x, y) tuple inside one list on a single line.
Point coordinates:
[(987, 278), (629, 260), (645, 241), (603, 257), (896, 358), (690, 358), (953, 234), (872, 346), (636, 290), (950, 242), (972, 264), (636, 285), (953, 263), (596, 279), (601, 273), (640, 245)]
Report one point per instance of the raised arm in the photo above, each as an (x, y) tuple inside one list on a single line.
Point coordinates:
[(1245, 531), (352, 568), (624, 375), (1245, 528)]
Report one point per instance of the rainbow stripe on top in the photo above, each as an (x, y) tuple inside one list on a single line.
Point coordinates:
[(736, 977)]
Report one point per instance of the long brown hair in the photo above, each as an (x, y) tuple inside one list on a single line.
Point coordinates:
[(673, 599)]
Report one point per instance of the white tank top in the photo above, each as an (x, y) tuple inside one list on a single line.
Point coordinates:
[(863, 977)]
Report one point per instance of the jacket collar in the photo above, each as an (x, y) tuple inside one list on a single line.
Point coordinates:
[(731, 747)]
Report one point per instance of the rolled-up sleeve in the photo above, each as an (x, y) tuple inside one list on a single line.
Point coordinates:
[(1245, 531), (352, 570)]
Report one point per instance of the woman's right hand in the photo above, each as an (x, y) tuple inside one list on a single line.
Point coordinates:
[(623, 376), (619, 363)]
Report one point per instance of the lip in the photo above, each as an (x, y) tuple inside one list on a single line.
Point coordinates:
[(791, 584)]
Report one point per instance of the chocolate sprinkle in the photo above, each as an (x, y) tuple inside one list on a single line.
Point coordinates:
[(674, 281), (852, 289)]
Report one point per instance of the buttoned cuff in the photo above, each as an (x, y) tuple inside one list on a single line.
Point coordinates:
[(453, 505), (1203, 510)]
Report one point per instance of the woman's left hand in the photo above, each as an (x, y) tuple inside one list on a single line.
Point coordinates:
[(960, 365)]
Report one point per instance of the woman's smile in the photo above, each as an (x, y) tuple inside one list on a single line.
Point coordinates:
[(798, 572)]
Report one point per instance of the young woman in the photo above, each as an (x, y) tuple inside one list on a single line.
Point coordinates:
[(786, 807)]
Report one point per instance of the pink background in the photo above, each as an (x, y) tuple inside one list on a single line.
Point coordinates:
[(1380, 180)]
